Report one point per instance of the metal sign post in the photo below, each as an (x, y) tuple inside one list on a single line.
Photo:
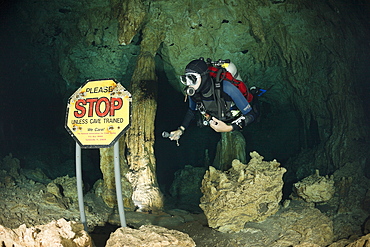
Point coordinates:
[(117, 176), (79, 186), (98, 114)]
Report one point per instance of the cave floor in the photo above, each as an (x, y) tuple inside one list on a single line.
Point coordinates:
[(276, 231), (29, 202)]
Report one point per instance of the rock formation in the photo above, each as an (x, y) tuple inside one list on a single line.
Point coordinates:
[(304, 50), (130, 18), (362, 242), (149, 236), (297, 222), (107, 189), (140, 137), (56, 233), (231, 146), (307, 224), (242, 194), (29, 197), (315, 188)]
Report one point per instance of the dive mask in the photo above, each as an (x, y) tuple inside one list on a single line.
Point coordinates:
[(190, 79)]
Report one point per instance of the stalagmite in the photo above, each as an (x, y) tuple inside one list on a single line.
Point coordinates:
[(109, 186), (140, 137), (230, 147)]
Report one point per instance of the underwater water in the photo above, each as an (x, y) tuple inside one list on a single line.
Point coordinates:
[(33, 107), (33, 100)]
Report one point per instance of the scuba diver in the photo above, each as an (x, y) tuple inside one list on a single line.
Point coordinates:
[(222, 105)]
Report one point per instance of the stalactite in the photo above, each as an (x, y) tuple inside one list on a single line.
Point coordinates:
[(130, 19)]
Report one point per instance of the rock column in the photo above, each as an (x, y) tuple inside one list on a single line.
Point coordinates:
[(140, 137)]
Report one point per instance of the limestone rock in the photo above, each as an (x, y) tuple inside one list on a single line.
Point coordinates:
[(244, 193), (315, 188), (341, 243), (231, 146), (32, 203), (68, 187), (11, 165), (149, 236), (366, 227), (362, 242), (56, 233), (140, 137), (304, 224), (106, 188), (130, 20), (54, 189), (36, 175), (306, 245), (353, 241), (62, 191), (6, 180)]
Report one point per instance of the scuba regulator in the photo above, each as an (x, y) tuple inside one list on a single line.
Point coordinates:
[(189, 91)]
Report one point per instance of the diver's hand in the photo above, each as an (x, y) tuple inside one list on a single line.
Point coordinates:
[(176, 134), (219, 126)]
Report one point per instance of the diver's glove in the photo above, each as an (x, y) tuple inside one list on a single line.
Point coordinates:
[(242, 121), (176, 134)]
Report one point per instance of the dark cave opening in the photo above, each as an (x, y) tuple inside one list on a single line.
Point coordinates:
[(33, 109)]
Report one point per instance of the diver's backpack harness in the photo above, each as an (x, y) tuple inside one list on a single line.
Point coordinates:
[(219, 73)]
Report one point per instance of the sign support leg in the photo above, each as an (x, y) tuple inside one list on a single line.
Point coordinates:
[(79, 186), (117, 176)]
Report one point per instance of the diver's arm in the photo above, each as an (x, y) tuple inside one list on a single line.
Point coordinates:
[(238, 98), (242, 104), (189, 116)]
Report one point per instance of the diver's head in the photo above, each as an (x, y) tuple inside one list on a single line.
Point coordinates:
[(195, 73)]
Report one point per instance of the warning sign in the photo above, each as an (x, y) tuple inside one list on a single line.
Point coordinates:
[(98, 113)]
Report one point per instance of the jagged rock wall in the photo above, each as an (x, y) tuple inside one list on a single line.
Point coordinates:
[(244, 193), (30, 197), (307, 224)]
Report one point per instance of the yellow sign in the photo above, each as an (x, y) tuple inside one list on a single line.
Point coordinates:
[(98, 113)]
